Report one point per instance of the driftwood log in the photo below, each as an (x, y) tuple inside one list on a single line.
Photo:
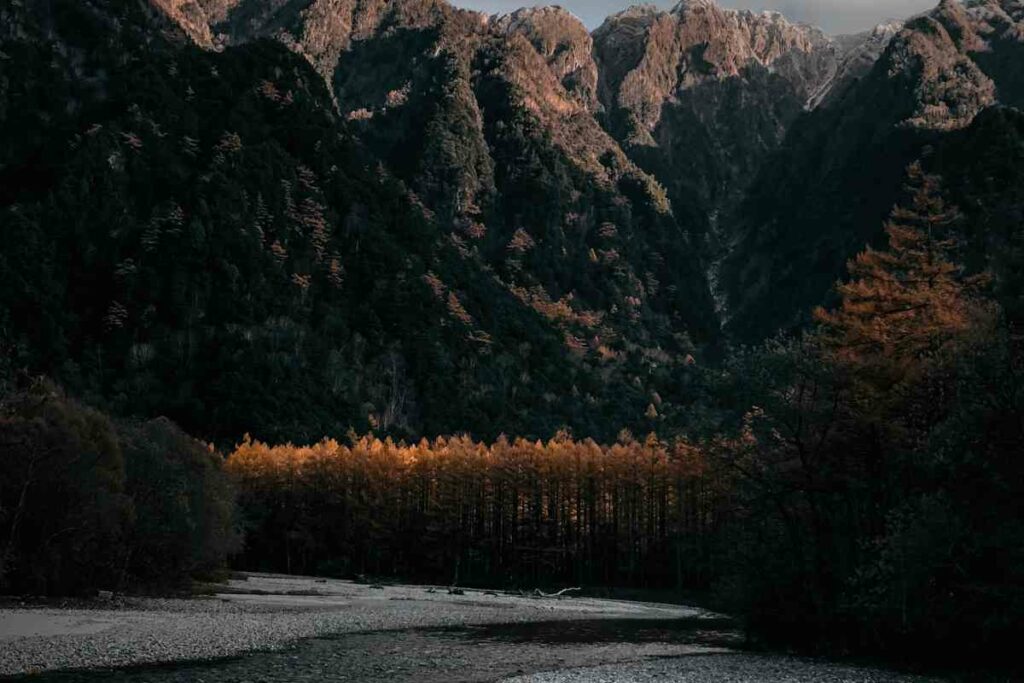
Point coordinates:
[(541, 594)]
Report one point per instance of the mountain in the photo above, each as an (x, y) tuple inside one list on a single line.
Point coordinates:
[(490, 122), (473, 248), (220, 235), (686, 105), (827, 191), (700, 95), (750, 123), (564, 43), (293, 217)]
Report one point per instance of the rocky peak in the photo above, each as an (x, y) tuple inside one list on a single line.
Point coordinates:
[(648, 56), (318, 29), (858, 55), (944, 57), (737, 37), (1000, 19), (194, 18), (563, 41)]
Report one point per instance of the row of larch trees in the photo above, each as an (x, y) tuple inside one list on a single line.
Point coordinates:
[(456, 510)]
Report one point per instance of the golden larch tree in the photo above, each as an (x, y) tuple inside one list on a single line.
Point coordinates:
[(909, 299)]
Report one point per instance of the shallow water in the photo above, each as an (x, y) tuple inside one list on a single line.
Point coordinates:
[(472, 653), (720, 632)]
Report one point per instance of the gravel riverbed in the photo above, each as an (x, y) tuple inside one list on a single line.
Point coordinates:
[(276, 628), (265, 612)]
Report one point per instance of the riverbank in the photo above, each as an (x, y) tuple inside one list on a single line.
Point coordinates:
[(263, 612), (294, 630)]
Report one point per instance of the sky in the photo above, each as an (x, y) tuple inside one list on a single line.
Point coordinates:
[(834, 16)]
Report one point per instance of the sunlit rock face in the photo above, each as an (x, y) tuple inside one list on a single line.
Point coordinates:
[(495, 125), (649, 57), (564, 43), (701, 96), (696, 96)]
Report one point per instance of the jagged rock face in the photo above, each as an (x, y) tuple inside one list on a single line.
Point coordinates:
[(196, 17), (322, 30), (859, 53), (563, 42), (739, 129), (499, 118), (947, 57), (649, 57), (491, 123), (381, 55), (950, 63), (563, 98), (933, 55), (700, 96), (383, 59), (650, 62), (697, 98)]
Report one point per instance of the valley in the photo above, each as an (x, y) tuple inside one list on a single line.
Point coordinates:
[(699, 300)]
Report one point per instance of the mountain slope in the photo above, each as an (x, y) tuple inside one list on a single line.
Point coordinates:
[(491, 125), (295, 217), (828, 190), (200, 234), (700, 95)]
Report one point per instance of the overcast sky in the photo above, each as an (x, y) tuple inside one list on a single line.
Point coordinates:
[(834, 16)]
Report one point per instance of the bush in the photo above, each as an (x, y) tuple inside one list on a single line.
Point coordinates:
[(63, 511), (86, 504), (183, 504)]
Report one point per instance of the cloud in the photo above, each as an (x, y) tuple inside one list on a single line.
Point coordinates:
[(834, 16)]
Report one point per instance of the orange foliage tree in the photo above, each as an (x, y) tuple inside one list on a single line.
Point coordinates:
[(456, 510), (910, 299)]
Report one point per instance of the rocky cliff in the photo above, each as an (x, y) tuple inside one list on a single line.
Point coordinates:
[(700, 95), (491, 121), (739, 126)]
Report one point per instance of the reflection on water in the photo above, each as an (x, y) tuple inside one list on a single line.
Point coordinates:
[(705, 631)]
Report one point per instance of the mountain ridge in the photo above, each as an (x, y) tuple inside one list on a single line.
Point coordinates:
[(576, 215)]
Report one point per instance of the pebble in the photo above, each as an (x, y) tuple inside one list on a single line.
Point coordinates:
[(270, 612)]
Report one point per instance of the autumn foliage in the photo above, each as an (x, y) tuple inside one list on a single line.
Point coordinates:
[(878, 488), (455, 509), (911, 298)]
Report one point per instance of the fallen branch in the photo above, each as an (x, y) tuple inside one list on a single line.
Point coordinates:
[(541, 594)]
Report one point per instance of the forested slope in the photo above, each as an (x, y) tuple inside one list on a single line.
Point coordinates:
[(197, 234), (825, 194)]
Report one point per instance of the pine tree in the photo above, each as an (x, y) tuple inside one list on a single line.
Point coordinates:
[(910, 299)]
